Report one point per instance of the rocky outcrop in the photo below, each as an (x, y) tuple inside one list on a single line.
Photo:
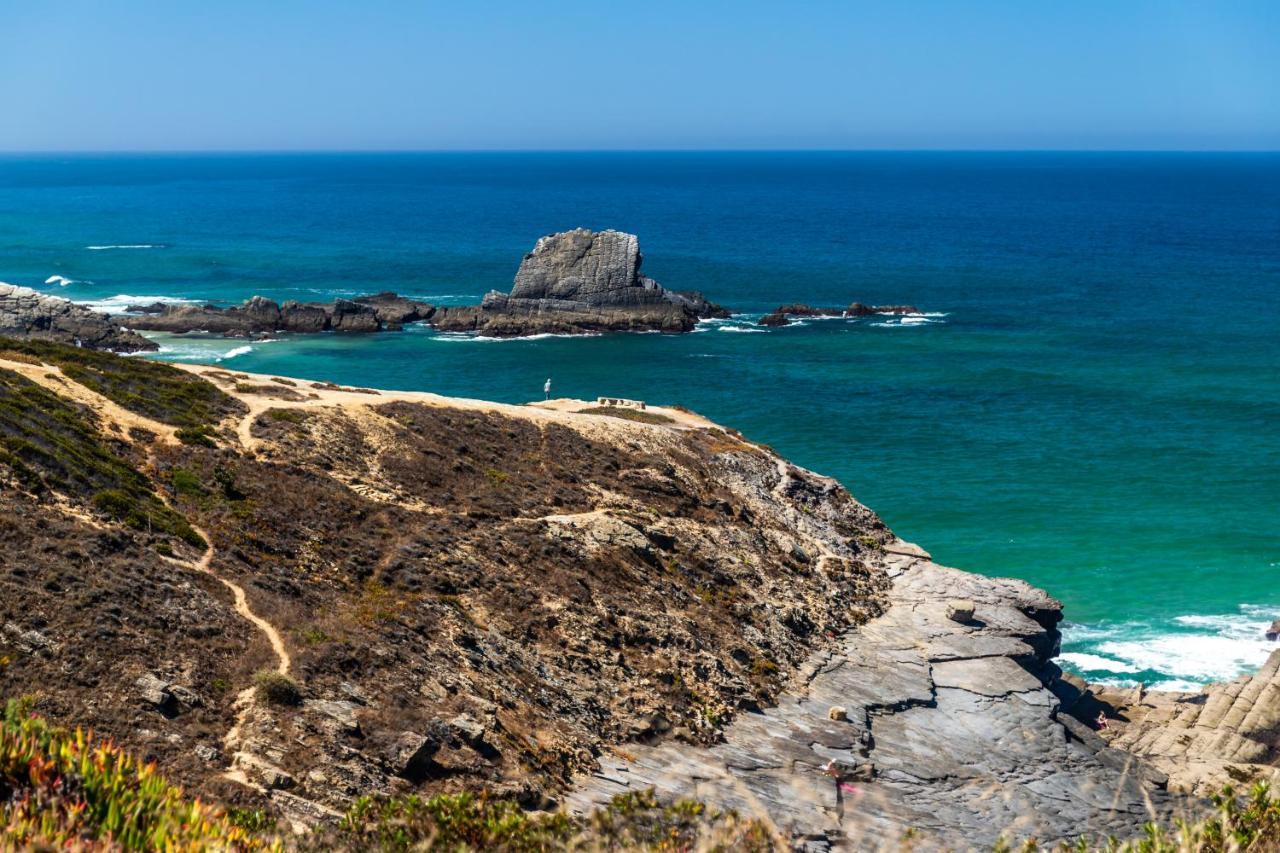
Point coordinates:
[(26, 313), (578, 282), (781, 316), (1227, 734), (553, 606), (261, 316), (915, 723)]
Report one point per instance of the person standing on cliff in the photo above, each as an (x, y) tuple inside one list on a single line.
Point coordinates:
[(546, 389)]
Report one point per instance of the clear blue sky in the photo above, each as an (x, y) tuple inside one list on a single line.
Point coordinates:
[(375, 74)]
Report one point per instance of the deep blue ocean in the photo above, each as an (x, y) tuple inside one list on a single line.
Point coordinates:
[(1092, 402)]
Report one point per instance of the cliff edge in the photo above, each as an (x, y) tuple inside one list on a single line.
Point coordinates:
[(292, 594)]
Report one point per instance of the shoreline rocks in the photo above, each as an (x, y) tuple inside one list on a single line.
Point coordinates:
[(915, 722), (580, 282), (1226, 734), (26, 313), (781, 316), (259, 316)]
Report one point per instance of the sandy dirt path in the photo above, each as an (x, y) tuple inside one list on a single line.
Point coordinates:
[(563, 411)]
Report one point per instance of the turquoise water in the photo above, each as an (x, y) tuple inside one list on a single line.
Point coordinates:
[(1093, 403)]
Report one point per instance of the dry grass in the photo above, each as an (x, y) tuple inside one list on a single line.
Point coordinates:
[(642, 416)]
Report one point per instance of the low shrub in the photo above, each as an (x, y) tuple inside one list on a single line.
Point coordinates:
[(196, 436), (643, 416), (275, 688), (66, 790)]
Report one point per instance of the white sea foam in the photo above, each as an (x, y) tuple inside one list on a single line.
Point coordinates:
[(745, 329), (127, 246), (1196, 656), (232, 353), (1087, 662), (467, 336), (60, 280), (116, 304), (904, 321), (1181, 654)]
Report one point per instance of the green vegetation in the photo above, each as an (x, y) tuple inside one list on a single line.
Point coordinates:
[(643, 416), (314, 636), (1239, 824), (187, 483), (466, 822), (196, 436), (461, 822), (292, 416), (154, 390), (62, 789), (51, 445), (275, 688)]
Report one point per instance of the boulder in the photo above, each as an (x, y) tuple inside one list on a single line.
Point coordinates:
[(395, 310), (299, 317), (411, 755), (348, 316), (1273, 633), (155, 691), (25, 313), (468, 727), (960, 610)]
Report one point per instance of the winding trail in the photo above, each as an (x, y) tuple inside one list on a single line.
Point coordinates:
[(204, 565), (121, 421)]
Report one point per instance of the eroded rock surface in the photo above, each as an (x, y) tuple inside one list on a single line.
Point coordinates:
[(580, 281), (950, 733), (1228, 734), (26, 313)]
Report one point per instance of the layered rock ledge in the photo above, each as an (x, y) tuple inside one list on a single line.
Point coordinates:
[(916, 723), (577, 282), (261, 316), (28, 314)]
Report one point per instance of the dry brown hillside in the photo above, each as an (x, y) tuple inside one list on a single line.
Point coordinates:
[(290, 590)]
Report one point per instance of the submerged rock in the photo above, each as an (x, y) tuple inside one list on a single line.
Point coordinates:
[(577, 282), (26, 313), (781, 316)]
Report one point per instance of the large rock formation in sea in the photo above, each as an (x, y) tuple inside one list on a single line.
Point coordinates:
[(29, 314), (580, 281), (261, 316)]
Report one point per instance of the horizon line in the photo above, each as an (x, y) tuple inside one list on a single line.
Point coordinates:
[(930, 150)]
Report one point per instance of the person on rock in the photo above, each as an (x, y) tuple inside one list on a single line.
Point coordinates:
[(546, 389), (1101, 722)]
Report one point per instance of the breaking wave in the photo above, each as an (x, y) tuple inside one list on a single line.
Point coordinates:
[(127, 246), (1183, 654), (116, 304), (467, 336)]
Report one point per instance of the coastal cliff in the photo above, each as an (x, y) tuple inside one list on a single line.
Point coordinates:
[(292, 594)]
